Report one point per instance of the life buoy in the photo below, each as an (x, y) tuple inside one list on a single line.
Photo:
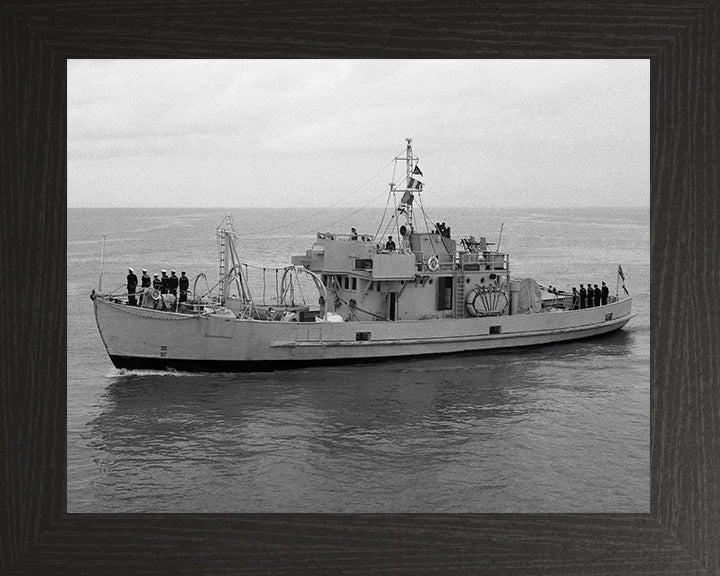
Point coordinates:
[(352, 303), (155, 294), (433, 263)]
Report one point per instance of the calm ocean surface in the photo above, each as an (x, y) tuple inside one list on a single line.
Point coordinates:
[(560, 428)]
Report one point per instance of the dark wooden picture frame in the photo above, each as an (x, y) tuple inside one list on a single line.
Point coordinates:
[(681, 532)]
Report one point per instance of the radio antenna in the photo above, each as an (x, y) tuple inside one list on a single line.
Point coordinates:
[(499, 237), (102, 261)]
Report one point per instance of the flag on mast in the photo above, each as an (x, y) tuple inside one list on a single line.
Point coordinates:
[(622, 275), (415, 181)]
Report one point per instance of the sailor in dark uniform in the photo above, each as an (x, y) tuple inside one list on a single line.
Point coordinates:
[(164, 282), (184, 285), (132, 283), (390, 245), (575, 299), (583, 295), (590, 296), (604, 294), (173, 283), (597, 295)]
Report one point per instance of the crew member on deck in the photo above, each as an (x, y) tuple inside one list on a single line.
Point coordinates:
[(164, 282), (145, 283), (597, 295), (575, 299), (353, 234), (132, 283), (184, 285), (390, 245), (173, 283), (583, 295), (590, 296), (604, 291)]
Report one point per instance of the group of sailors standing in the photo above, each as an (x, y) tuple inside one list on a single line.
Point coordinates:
[(164, 285), (591, 297)]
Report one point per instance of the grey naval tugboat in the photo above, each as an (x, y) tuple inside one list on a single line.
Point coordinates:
[(421, 293)]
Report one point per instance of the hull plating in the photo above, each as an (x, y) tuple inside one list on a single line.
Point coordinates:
[(141, 338)]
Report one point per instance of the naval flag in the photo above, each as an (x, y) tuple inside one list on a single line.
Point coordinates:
[(415, 181), (622, 275)]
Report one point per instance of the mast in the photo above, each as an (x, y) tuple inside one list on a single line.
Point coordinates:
[(226, 255), (412, 184)]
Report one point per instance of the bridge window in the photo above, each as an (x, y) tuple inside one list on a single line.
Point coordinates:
[(363, 264)]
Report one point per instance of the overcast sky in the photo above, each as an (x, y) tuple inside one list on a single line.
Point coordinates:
[(254, 133)]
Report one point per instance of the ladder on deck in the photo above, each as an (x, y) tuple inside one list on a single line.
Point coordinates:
[(460, 296), (221, 250), (227, 226)]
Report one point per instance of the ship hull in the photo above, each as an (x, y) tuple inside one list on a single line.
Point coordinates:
[(138, 338)]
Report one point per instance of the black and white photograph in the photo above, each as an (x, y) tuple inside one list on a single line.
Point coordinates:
[(358, 286)]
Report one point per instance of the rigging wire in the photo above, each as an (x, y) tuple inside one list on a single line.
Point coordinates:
[(349, 215), (425, 216), (375, 238), (387, 203), (352, 192)]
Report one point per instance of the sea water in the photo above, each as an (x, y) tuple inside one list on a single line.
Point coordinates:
[(557, 428)]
